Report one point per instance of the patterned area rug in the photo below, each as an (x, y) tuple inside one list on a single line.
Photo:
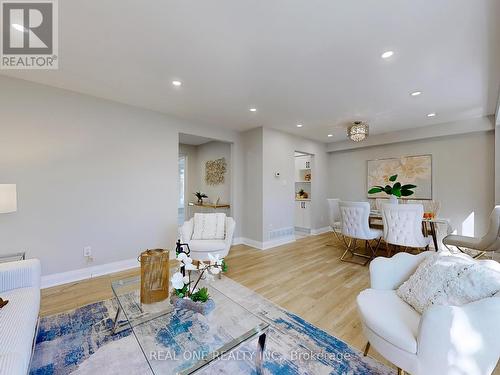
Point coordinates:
[(80, 342)]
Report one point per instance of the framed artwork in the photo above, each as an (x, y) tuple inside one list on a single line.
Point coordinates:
[(215, 171), (415, 170)]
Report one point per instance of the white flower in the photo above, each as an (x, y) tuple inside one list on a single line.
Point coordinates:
[(185, 279), (215, 259), (182, 256), (177, 280), (190, 266), (215, 270)]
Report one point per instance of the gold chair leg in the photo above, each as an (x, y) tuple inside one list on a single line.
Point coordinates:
[(401, 372), (367, 347)]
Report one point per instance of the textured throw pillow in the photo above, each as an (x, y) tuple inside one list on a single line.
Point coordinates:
[(445, 279), (209, 226)]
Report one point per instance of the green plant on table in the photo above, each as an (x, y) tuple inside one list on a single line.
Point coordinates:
[(396, 189)]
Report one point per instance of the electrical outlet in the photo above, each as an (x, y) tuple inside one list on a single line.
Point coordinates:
[(87, 251)]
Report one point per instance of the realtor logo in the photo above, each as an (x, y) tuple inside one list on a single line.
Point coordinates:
[(29, 35)]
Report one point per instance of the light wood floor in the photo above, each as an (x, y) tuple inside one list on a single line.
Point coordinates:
[(305, 277)]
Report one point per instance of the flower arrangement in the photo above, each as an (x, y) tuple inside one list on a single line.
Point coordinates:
[(396, 189), (186, 285)]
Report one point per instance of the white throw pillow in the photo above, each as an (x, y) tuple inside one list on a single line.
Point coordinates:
[(446, 279), (209, 226)]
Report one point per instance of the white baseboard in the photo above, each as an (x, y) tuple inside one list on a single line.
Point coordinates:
[(88, 272), (321, 230), (237, 241), (268, 244)]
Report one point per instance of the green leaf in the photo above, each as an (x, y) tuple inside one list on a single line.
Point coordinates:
[(406, 193), (375, 190), (388, 189), (397, 186), (408, 186), (397, 193), (393, 178), (201, 295)]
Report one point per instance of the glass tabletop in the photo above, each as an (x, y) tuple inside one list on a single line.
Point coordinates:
[(180, 341)]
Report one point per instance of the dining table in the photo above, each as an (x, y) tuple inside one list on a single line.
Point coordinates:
[(429, 225)]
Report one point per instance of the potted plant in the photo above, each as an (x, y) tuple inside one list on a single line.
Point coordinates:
[(200, 196), (186, 293), (303, 194), (395, 191)]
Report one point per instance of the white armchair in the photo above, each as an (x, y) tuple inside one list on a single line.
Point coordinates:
[(201, 248), (444, 340), (20, 284)]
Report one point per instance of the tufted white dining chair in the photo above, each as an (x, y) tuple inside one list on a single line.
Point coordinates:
[(334, 217), (355, 226), (403, 226)]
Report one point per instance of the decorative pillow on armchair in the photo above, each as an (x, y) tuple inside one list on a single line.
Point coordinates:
[(209, 226), (445, 279)]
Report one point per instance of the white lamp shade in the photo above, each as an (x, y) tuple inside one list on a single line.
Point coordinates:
[(8, 198)]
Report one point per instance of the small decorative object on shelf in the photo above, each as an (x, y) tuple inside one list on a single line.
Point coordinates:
[(302, 194), (200, 196), (186, 293), (307, 177), (395, 191), (154, 275)]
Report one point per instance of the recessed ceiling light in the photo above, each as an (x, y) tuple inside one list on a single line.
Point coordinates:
[(299, 125), (416, 93), (330, 135), (177, 83), (18, 27), (387, 54), (432, 114), (253, 109)]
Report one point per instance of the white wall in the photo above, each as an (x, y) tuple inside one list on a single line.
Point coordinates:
[(279, 193), (463, 174), (212, 151), (91, 172), (253, 184)]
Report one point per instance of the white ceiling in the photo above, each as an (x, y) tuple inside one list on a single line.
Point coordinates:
[(316, 62)]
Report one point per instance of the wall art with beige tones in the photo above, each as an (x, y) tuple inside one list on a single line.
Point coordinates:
[(415, 170)]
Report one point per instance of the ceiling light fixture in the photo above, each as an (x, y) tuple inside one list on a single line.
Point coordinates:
[(387, 54), (299, 125), (433, 114), (358, 131), (416, 93), (253, 109), (177, 83), (330, 135)]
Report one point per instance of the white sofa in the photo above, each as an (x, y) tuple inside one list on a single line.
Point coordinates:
[(444, 340), (201, 248), (20, 284)]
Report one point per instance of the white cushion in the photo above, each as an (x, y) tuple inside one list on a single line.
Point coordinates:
[(17, 327), (209, 226), (444, 279), (390, 318), (206, 245)]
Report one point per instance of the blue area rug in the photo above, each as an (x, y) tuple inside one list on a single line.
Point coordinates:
[(80, 342)]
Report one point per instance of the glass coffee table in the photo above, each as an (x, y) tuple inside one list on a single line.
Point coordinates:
[(179, 341)]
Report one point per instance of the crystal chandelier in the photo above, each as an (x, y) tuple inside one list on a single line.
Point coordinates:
[(358, 131)]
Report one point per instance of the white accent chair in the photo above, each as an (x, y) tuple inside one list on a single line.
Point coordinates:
[(20, 284), (445, 340), (355, 226), (403, 226), (334, 217), (201, 248), (490, 242)]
